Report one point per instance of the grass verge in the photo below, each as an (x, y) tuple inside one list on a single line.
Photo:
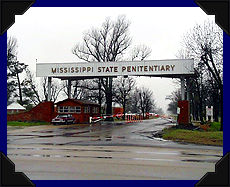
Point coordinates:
[(17, 123), (194, 136)]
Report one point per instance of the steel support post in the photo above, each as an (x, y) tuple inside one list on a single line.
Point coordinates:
[(69, 88), (188, 88), (182, 88), (49, 88)]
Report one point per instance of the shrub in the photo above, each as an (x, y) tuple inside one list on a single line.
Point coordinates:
[(214, 126)]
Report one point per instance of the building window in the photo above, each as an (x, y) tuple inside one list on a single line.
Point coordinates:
[(95, 110), (78, 109), (60, 109), (86, 109), (66, 109), (69, 109)]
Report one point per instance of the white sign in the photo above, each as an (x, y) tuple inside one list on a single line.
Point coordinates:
[(135, 68), (209, 112), (178, 110)]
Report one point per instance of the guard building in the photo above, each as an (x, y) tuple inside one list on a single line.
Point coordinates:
[(15, 107), (81, 110)]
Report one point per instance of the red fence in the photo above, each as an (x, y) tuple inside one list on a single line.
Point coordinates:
[(42, 112), (129, 118)]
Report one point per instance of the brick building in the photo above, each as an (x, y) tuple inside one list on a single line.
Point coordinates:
[(81, 110), (15, 108), (46, 111)]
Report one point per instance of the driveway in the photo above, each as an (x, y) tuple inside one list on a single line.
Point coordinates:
[(107, 151)]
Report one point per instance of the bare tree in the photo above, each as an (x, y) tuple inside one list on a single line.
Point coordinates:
[(205, 45), (105, 44), (174, 98), (30, 89), (12, 45), (140, 52), (134, 101), (56, 88), (14, 67), (11, 55), (146, 103), (80, 89), (123, 88)]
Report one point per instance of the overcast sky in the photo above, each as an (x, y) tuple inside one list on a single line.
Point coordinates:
[(49, 34)]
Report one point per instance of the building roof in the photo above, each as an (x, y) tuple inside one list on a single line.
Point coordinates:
[(15, 106), (87, 102), (116, 105), (78, 101)]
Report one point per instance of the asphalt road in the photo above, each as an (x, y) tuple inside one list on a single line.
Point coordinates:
[(107, 151)]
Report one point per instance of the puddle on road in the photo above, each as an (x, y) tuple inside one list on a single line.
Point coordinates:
[(73, 133), (155, 159), (50, 149), (21, 135), (100, 157), (202, 161), (95, 130), (110, 157), (198, 154), (62, 156), (127, 151), (158, 153)]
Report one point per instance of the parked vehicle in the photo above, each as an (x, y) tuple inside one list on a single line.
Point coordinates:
[(109, 118), (63, 119)]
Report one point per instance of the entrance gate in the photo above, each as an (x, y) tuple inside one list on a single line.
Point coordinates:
[(175, 68)]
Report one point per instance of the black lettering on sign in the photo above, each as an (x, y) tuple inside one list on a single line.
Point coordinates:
[(134, 68), (107, 69), (54, 70), (167, 67), (141, 67), (65, 70), (123, 68), (150, 68)]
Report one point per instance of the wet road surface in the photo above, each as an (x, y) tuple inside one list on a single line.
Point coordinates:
[(107, 151)]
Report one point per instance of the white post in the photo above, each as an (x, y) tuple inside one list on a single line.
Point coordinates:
[(69, 89), (49, 88), (211, 113), (182, 89), (206, 113)]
